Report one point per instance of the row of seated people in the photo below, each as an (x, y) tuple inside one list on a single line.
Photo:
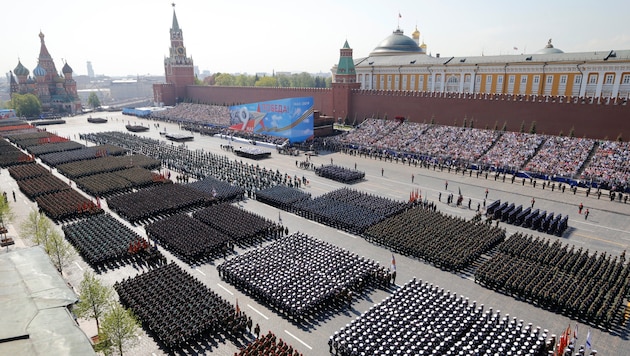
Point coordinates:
[(449, 242), (177, 308), (423, 319), (531, 269), (549, 155), (299, 275), (215, 115), (104, 241)]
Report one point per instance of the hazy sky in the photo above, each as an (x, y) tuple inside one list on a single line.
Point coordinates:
[(249, 36)]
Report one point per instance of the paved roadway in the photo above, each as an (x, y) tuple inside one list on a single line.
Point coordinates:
[(607, 229)]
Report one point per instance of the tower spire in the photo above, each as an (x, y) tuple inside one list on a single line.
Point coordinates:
[(175, 26)]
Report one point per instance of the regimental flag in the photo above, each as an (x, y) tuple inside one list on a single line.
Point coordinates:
[(279, 217), (575, 333), (564, 341), (238, 309), (399, 16), (393, 263), (588, 339)]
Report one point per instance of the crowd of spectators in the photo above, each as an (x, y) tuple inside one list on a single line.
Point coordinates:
[(561, 156), (423, 319), (545, 156), (610, 163), (189, 113), (536, 269), (512, 149), (300, 276)]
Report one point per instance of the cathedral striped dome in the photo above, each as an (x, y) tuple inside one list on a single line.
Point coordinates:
[(20, 70), (39, 71)]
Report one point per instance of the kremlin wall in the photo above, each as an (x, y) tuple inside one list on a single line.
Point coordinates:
[(586, 93)]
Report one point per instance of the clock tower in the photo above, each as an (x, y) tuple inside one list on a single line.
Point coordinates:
[(178, 68)]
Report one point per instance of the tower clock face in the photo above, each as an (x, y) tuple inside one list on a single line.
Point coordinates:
[(180, 50)]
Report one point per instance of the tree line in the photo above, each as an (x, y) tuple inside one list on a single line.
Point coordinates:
[(298, 80)]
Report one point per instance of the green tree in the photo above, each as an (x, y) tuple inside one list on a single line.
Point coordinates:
[(267, 82), (496, 125), (532, 128), (119, 328), (6, 213), (224, 79), (522, 127), (37, 227), (26, 105), (95, 299), (504, 128), (59, 250), (93, 101), (572, 132), (197, 81), (284, 81), (244, 80)]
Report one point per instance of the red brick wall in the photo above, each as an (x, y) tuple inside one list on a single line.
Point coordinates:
[(594, 120)]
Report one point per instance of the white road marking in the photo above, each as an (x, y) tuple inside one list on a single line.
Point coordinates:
[(345, 233), (295, 337), (78, 266), (225, 289), (259, 313), (197, 269)]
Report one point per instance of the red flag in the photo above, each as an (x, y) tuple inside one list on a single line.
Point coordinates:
[(238, 309), (393, 263)]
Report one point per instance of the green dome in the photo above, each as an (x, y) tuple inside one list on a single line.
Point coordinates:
[(396, 43), (20, 70)]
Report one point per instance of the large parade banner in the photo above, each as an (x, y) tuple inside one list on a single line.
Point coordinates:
[(291, 118)]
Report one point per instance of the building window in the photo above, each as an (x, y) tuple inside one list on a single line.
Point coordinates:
[(500, 79), (578, 79), (592, 79), (550, 79), (626, 79), (563, 79), (478, 79), (511, 79), (489, 80), (523, 79), (609, 78), (467, 78), (536, 79), (421, 78)]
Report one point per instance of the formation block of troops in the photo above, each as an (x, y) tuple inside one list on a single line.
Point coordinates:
[(535, 270), (299, 275), (103, 241), (340, 174), (177, 308), (449, 242), (422, 319)]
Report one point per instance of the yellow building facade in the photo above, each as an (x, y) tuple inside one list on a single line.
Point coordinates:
[(401, 63)]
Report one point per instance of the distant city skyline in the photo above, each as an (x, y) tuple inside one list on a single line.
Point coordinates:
[(132, 37)]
